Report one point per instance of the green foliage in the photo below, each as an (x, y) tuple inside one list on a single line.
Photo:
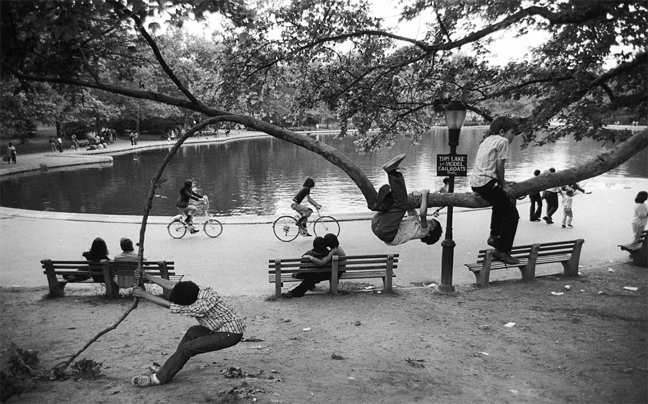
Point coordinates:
[(279, 63), (86, 369), (18, 372)]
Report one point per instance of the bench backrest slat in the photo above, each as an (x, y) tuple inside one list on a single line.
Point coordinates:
[(551, 248), (349, 262)]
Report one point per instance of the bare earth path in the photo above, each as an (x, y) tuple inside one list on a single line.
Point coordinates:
[(587, 345)]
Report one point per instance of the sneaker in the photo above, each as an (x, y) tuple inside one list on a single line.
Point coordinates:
[(546, 219), (570, 225), (492, 241), (194, 231), (392, 164), (287, 295), (505, 258), (142, 381), (563, 226)]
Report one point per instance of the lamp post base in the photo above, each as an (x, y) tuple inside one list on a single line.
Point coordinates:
[(446, 288)]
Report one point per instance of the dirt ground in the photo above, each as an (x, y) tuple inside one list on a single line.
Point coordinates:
[(585, 345)]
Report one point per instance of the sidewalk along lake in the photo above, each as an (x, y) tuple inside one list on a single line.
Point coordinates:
[(260, 176)]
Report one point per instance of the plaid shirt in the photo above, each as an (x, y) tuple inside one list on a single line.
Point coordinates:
[(213, 312), (492, 149)]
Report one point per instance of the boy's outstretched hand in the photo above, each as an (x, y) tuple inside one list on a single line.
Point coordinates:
[(139, 292)]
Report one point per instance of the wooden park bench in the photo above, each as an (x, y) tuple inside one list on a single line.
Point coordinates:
[(354, 267), (565, 252), (57, 271), (639, 254)]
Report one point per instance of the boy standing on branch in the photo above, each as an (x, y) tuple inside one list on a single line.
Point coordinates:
[(488, 180)]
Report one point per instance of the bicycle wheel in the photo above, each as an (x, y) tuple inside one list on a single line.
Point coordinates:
[(326, 224), (177, 229), (285, 228), (213, 228)]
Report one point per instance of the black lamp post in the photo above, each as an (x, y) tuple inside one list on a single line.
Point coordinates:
[(455, 113)]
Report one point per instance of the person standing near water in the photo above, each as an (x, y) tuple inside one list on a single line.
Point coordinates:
[(535, 210)]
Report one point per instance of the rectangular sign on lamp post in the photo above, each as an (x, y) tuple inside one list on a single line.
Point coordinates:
[(452, 164)]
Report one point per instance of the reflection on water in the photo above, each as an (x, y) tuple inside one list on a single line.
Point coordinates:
[(260, 176)]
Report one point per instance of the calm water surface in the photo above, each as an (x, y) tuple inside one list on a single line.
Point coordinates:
[(260, 176)]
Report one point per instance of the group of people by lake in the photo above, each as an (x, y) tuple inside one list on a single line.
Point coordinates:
[(550, 196)]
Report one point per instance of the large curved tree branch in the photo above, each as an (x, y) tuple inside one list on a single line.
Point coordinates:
[(602, 163), (598, 165)]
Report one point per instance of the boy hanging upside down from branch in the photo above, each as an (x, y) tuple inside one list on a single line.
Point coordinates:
[(219, 326), (390, 224)]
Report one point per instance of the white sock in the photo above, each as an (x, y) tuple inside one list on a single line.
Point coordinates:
[(154, 379)]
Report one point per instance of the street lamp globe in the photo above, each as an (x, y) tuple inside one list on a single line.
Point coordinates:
[(455, 114)]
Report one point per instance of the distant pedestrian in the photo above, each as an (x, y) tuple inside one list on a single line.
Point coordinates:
[(535, 210), (568, 215), (75, 142), (12, 153), (551, 197), (53, 144), (59, 143)]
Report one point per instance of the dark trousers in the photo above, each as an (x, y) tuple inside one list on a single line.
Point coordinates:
[(385, 224), (552, 203), (197, 340), (535, 211), (504, 216), (309, 282)]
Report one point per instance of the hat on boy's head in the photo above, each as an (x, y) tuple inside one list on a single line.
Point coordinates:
[(126, 244)]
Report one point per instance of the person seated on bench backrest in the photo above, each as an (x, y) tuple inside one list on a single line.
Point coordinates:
[(318, 256), (391, 225), (128, 252)]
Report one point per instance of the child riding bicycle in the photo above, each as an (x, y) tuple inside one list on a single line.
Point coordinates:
[(304, 211), (187, 194)]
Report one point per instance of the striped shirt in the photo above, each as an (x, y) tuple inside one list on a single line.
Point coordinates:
[(212, 312), (492, 149)]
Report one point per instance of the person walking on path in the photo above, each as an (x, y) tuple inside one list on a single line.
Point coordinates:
[(392, 226), (53, 144), (568, 215), (12, 153), (220, 325), (535, 209), (551, 197), (488, 180), (304, 211)]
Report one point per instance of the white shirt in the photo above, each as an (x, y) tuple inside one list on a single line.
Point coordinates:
[(492, 149), (409, 229)]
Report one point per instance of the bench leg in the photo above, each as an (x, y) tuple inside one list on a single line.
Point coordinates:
[(571, 266), (389, 274), (112, 290), (55, 287), (484, 274)]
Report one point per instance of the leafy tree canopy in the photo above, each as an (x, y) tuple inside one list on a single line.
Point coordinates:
[(303, 53)]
